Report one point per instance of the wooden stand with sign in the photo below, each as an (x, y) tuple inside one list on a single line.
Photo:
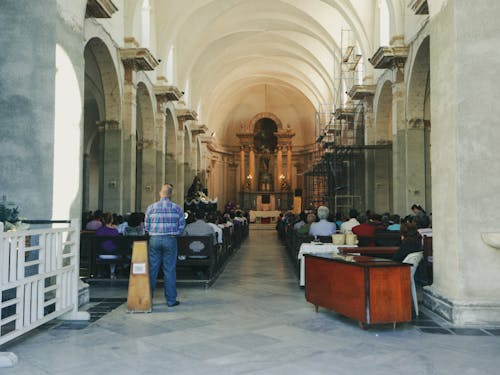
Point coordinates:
[(139, 288)]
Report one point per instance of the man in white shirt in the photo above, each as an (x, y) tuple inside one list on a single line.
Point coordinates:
[(351, 223)]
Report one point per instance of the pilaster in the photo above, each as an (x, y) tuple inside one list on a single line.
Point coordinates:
[(465, 182), (111, 181)]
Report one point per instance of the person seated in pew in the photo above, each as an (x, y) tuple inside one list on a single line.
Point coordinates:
[(304, 229), (199, 228), (323, 227), (365, 231), (135, 225), (394, 223), (108, 229), (301, 222), (352, 222), (213, 221), (410, 241), (95, 222)]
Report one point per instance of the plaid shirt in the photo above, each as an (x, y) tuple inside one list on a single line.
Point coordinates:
[(165, 218)]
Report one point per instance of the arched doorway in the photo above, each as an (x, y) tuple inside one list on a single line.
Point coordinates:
[(382, 155), (419, 129), (102, 134)]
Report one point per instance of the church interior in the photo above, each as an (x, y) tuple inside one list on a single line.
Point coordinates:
[(269, 107)]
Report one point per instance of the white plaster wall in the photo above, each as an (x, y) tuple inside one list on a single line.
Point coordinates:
[(289, 106)]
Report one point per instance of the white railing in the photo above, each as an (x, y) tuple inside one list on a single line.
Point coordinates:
[(39, 272)]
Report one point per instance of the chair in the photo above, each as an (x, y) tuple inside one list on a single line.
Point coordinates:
[(414, 259)]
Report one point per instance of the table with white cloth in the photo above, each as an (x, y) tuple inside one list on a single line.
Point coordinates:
[(256, 216), (315, 248)]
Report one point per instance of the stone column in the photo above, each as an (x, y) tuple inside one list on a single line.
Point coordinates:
[(399, 143), (178, 194), (242, 167), (27, 104), (233, 178), (465, 160), (85, 182), (148, 186), (111, 167), (161, 147), (289, 165), (129, 140), (279, 167), (252, 167), (415, 163)]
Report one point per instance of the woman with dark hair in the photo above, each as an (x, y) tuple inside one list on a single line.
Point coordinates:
[(410, 241), (108, 229), (421, 219)]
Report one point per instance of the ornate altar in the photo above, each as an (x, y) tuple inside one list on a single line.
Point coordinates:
[(264, 184)]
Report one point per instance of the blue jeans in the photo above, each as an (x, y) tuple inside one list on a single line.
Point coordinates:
[(163, 251)]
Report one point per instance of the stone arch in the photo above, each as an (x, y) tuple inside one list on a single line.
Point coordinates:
[(418, 86), (102, 108), (418, 122), (262, 115), (145, 148), (383, 113)]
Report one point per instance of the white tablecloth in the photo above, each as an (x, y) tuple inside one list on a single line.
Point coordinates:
[(260, 214), (314, 248)]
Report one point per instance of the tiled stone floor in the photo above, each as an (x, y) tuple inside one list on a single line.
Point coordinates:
[(253, 320)]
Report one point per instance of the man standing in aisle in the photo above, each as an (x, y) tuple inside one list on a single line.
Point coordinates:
[(164, 221)]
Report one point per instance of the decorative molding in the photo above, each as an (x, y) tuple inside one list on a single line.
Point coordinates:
[(419, 7), (138, 59), (197, 129), (186, 114), (462, 312), (100, 9), (344, 113), (389, 57), (131, 42), (491, 239), (285, 137), (359, 92), (108, 125), (167, 93)]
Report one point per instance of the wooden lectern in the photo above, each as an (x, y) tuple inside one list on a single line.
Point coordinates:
[(139, 287)]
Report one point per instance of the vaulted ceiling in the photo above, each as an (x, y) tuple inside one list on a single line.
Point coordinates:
[(223, 49)]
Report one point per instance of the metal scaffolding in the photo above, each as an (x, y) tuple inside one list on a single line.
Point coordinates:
[(337, 177)]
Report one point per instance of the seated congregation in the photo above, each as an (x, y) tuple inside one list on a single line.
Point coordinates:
[(206, 244), (384, 236)]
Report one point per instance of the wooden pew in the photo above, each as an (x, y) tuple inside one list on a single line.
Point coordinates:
[(197, 251), (91, 249)]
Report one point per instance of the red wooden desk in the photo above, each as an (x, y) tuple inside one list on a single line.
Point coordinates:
[(369, 290)]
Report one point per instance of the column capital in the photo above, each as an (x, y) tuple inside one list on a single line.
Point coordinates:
[(100, 9), (166, 93), (105, 125), (390, 57)]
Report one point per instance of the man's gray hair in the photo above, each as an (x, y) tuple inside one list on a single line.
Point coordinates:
[(166, 190), (323, 212)]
